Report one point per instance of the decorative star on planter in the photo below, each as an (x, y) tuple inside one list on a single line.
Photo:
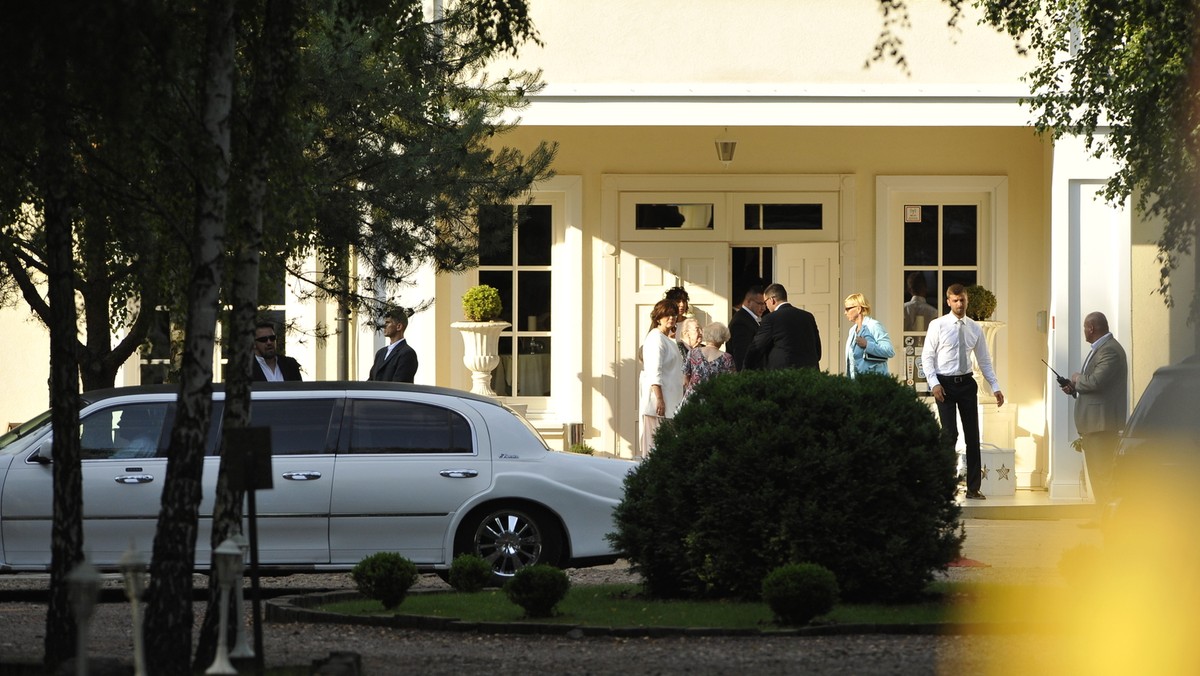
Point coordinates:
[(984, 471), (1002, 473)]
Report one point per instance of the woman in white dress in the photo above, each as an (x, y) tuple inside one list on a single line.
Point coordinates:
[(661, 387)]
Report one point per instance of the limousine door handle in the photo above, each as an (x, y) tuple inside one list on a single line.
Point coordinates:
[(302, 476), (460, 473), (134, 478)]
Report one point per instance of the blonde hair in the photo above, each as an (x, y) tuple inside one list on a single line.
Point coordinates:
[(859, 300), (716, 333)]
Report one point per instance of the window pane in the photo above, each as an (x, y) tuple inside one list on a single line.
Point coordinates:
[(921, 237), (533, 367), (674, 216), (919, 308), (495, 234), (297, 426), (137, 431), (534, 235), (502, 376), (407, 427), (502, 281), (784, 217), (960, 235), (533, 303)]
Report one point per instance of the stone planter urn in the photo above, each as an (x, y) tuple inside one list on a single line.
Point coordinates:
[(479, 352)]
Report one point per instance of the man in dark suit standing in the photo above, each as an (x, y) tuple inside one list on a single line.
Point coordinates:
[(269, 365), (744, 324), (788, 336), (1102, 390), (397, 361)]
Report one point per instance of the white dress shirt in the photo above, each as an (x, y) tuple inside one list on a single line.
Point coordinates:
[(273, 374), (939, 356)]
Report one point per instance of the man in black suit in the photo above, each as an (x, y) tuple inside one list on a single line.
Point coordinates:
[(269, 365), (744, 324), (787, 338), (397, 361)]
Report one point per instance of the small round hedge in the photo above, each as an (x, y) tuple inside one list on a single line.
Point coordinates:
[(470, 573), (537, 589), (482, 303), (981, 303), (798, 592), (385, 577), (764, 468)]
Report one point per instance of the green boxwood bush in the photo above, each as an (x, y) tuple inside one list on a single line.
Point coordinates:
[(981, 303), (385, 577), (482, 303), (470, 573), (798, 592), (537, 589), (771, 467)]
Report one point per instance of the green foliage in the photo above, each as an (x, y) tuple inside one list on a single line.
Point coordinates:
[(470, 573), (981, 303), (773, 467), (482, 303), (1129, 90), (798, 592), (385, 577), (582, 449), (538, 589)]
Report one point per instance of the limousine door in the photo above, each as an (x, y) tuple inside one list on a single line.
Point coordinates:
[(404, 468)]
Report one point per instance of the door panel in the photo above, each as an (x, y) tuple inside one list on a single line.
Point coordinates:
[(647, 271), (811, 274)]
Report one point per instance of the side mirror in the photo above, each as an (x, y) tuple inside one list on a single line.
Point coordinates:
[(43, 454)]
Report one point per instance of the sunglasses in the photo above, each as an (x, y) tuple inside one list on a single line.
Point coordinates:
[(265, 339)]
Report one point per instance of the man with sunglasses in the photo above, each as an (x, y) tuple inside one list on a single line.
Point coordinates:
[(269, 365)]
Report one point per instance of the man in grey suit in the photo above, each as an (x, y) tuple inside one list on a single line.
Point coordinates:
[(787, 338), (1101, 389), (397, 361)]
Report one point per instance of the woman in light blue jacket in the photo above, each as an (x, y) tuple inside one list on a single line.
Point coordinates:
[(868, 346)]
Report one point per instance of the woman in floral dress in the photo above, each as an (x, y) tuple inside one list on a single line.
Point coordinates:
[(708, 359)]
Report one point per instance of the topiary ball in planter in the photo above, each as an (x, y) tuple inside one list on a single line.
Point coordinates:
[(385, 577), (538, 589), (470, 573), (482, 303), (981, 303), (798, 592)]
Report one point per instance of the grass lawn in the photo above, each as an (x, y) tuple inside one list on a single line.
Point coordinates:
[(622, 606)]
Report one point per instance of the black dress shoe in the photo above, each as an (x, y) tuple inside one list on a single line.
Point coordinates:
[(975, 495)]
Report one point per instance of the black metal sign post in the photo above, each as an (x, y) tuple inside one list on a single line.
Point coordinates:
[(249, 450)]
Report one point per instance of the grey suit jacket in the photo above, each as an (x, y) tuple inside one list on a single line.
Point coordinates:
[(398, 367), (1103, 389)]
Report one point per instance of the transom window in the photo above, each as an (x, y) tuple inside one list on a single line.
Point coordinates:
[(514, 257)]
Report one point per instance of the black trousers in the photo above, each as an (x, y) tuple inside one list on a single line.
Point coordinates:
[(962, 397)]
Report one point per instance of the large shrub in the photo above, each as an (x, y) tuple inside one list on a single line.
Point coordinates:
[(761, 469), (385, 577)]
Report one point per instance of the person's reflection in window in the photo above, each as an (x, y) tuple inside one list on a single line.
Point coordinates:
[(917, 311)]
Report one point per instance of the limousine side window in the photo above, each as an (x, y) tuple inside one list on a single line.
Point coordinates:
[(378, 426), (132, 431), (298, 426)]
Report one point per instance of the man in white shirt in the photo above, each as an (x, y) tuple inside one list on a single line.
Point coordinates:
[(946, 357)]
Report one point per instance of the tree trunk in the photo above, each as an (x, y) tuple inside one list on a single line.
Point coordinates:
[(66, 538), (169, 615)]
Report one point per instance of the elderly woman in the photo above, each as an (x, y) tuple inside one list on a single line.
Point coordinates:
[(707, 360), (687, 333), (661, 387), (868, 346)]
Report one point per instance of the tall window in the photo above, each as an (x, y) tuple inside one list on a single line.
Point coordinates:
[(514, 257), (941, 247)]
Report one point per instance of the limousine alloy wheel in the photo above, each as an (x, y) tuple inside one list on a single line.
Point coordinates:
[(511, 537)]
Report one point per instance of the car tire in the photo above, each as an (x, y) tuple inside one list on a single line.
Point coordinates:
[(510, 537)]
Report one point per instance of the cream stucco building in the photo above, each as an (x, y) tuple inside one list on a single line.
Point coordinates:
[(844, 178)]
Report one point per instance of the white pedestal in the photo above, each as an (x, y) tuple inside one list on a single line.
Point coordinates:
[(999, 471)]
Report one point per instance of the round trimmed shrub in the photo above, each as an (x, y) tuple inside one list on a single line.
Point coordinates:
[(765, 468), (482, 303), (981, 303), (470, 573), (385, 577), (537, 589), (798, 592)]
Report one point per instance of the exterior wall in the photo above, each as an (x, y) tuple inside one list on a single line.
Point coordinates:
[(25, 344)]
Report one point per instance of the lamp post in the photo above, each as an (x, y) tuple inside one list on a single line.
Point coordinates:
[(133, 572), (83, 585), (241, 646), (228, 558)]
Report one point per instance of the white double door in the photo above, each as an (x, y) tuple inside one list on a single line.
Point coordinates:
[(810, 273)]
